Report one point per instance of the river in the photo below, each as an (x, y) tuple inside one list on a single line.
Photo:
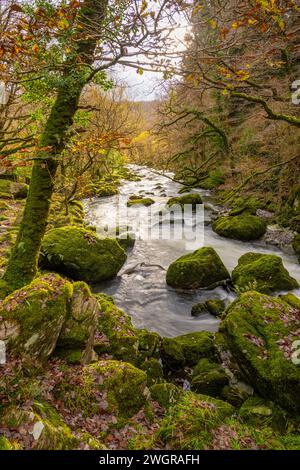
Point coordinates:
[(140, 288)]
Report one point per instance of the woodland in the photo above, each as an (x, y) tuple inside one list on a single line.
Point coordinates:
[(109, 341)]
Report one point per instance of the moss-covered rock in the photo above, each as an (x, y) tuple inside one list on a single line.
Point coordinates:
[(208, 378), (31, 318), (244, 227), (192, 199), (106, 386), (187, 350), (41, 425), (203, 268), (234, 394), (115, 335), (76, 340), (165, 394), (199, 422), (215, 307), (260, 332), (263, 273), (81, 255), (146, 201), (247, 205), (154, 371), (296, 246), (149, 344), (11, 189), (260, 412)]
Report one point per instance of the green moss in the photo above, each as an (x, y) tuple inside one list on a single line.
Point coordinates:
[(5, 444), (247, 205), (203, 268), (50, 431), (263, 273), (260, 332), (234, 394), (189, 424), (12, 189), (260, 412), (154, 371), (149, 344), (111, 386), (188, 199), (115, 333), (244, 227), (81, 255), (32, 317), (141, 201), (187, 350), (216, 307), (165, 394), (208, 378)]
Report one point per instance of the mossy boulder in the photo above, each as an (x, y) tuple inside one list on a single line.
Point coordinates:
[(296, 246), (154, 371), (76, 339), (203, 268), (263, 273), (260, 332), (215, 307), (260, 412), (108, 386), (106, 190), (115, 334), (32, 317), (81, 255), (146, 201), (192, 199), (165, 394), (187, 350), (11, 189), (244, 227), (40, 426), (208, 378), (149, 344)]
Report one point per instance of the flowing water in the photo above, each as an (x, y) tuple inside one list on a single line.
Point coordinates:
[(140, 288)]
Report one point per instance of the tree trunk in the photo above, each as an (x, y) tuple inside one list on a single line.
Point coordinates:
[(22, 266)]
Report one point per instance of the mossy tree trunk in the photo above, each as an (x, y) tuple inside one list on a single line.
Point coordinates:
[(23, 262)]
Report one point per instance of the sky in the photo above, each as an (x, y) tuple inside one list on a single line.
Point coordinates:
[(148, 87)]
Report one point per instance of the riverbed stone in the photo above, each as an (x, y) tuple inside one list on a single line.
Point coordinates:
[(192, 199), (200, 269), (81, 255), (260, 332), (263, 273), (243, 227), (32, 317), (146, 201)]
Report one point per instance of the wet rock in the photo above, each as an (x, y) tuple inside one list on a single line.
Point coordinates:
[(81, 255), (203, 268), (244, 227), (263, 273)]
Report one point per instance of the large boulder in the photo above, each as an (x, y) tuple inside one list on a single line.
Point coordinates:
[(244, 227), (11, 189), (203, 268), (32, 317), (105, 386), (115, 334), (187, 350), (76, 339), (260, 332), (81, 255), (263, 273)]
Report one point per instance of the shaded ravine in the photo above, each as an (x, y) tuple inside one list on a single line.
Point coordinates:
[(140, 288)]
